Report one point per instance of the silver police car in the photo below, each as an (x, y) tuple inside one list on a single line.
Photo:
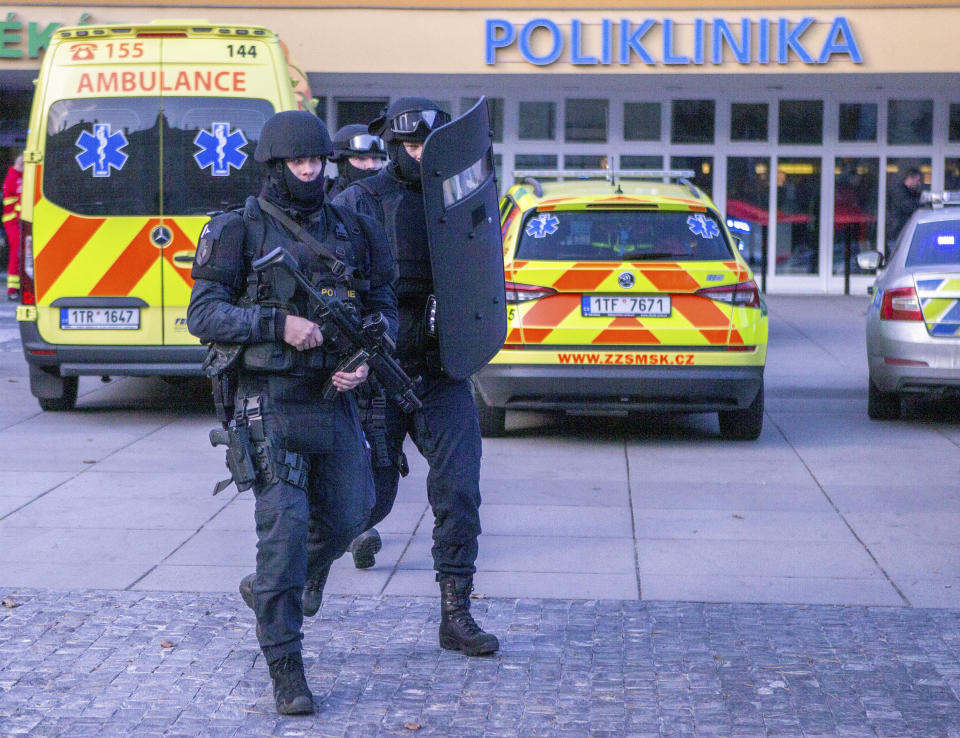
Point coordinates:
[(913, 322)]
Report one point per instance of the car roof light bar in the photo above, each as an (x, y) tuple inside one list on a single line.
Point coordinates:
[(532, 176), (939, 199)]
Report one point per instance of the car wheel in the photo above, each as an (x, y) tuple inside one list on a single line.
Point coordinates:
[(66, 401), (743, 425), (882, 405), (493, 420)]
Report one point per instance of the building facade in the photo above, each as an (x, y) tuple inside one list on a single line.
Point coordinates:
[(801, 122)]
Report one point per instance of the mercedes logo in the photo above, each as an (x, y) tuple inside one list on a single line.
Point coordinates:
[(625, 280), (161, 236)]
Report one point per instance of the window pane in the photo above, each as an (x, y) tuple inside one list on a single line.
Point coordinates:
[(702, 167), (321, 109), (195, 183), (641, 162), (535, 161), (621, 235), (856, 187), (951, 174), (496, 113), (358, 111), (585, 161), (103, 156), (954, 126), (641, 121), (748, 206), (798, 216), (585, 120), (748, 121), (537, 121), (909, 121), (906, 178), (692, 121), (858, 122), (936, 244), (801, 121)]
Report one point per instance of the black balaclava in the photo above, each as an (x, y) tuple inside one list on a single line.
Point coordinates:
[(285, 189), (407, 168), (350, 173)]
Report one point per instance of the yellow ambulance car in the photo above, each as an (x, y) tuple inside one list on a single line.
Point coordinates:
[(137, 132), (625, 292)]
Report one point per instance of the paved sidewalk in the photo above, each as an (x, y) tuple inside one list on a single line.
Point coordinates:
[(116, 663)]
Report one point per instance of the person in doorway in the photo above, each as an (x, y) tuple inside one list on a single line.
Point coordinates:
[(309, 459), (358, 154), (902, 200), (12, 192), (446, 430)]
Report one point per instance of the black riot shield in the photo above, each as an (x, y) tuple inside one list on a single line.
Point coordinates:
[(463, 231)]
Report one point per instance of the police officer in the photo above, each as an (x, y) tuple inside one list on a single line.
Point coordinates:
[(312, 472), (358, 154), (446, 430)]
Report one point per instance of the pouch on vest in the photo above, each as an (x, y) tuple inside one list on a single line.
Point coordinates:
[(270, 357)]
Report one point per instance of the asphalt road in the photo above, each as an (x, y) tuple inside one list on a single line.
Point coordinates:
[(827, 507)]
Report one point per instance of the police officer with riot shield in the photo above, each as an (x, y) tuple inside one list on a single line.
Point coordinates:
[(358, 154), (301, 449), (446, 430)]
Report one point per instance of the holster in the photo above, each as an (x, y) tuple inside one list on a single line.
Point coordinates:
[(250, 455), (372, 404)]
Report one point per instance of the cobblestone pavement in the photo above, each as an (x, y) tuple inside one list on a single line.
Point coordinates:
[(113, 663)]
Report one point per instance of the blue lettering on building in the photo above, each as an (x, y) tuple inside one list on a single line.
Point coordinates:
[(715, 41)]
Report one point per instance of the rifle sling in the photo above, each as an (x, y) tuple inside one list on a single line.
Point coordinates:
[(337, 266)]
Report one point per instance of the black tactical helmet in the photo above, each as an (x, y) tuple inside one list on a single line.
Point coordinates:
[(293, 134), (356, 140), (409, 119)]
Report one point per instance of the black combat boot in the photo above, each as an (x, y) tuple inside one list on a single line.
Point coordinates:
[(313, 593), (365, 548), (290, 688), (458, 630), (246, 589)]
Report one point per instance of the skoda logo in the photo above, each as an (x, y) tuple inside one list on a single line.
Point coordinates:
[(161, 236), (626, 280)]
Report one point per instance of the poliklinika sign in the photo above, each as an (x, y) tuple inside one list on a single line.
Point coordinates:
[(666, 42)]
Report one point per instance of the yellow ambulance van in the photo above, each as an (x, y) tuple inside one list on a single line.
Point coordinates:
[(137, 132)]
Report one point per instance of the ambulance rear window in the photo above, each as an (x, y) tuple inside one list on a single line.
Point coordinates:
[(103, 155), (622, 235)]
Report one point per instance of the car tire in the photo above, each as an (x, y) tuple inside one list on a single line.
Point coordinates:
[(493, 420), (743, 425), (882, 405), (67, 399)]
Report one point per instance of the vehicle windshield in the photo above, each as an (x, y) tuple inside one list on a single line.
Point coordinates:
[(623, 235), (103, 155), (935, 243)]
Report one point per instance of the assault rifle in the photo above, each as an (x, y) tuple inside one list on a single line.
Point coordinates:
[(365, 341)]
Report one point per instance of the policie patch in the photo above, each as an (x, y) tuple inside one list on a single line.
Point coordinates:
[(204, 247)]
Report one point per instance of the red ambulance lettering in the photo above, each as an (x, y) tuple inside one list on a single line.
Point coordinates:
[(150, 81)]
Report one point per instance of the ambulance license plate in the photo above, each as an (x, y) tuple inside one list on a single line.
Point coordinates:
[(100, 318), (625, 305)]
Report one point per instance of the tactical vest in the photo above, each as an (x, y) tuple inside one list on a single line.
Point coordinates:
[(343, 238), (411, 254)]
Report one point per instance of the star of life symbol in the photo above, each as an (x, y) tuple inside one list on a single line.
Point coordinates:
[(101, 150), (220, 149), (700, 226), (542, 226)]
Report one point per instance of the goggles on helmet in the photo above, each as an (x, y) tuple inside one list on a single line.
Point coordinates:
[(367, 143), (407, 122)]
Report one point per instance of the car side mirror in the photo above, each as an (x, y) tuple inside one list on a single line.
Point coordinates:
[(870, 261)]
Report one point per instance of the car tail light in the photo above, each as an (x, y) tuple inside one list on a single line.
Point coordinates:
[(743, 294), (900, 303), (27, 293), (517, 292)]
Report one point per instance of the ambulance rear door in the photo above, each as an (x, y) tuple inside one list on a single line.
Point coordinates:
[(219, 89), (98, 279)]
